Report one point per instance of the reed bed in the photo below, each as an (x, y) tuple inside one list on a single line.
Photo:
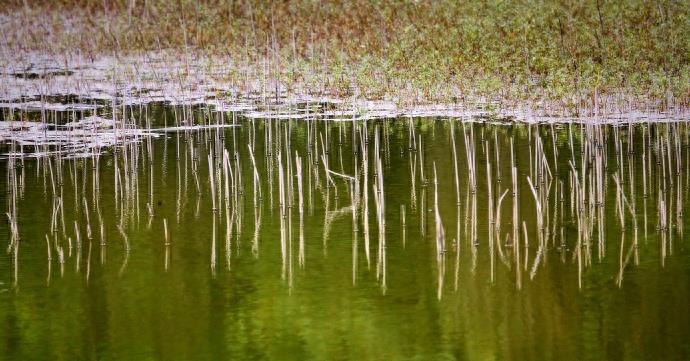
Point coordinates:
[(635, 56), (573, 176)]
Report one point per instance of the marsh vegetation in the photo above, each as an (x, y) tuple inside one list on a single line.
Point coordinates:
[(363, 180), (568, 56)]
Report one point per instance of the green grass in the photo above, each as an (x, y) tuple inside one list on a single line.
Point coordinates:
[(567, 52)]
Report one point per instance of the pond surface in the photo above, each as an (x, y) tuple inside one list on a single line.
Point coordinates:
[(339, 244)]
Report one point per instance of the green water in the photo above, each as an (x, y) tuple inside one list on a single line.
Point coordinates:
[(260, 299)]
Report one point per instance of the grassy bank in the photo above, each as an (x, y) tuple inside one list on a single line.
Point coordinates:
[(567, 52)]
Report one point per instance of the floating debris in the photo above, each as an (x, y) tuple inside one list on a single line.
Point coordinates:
[(38, 106)]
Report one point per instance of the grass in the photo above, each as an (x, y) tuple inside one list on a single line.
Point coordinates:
[(567, 52)]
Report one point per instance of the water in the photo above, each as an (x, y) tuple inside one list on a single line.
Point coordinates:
[(244, 282)]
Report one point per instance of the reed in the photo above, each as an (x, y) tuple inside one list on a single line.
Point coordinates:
[(440, 233), (165, 231), (255, 178), (300, 203), (455, 165), (379, 201), (469, 152), (570, 203), (365, 191)]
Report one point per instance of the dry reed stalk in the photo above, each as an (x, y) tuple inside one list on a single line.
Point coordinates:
[(455, 165), (440, 233), (298, 164)]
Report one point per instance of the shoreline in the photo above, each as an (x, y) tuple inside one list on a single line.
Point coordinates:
[(157, 77)]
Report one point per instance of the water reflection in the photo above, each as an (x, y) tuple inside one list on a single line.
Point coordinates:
[(519, 230)]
